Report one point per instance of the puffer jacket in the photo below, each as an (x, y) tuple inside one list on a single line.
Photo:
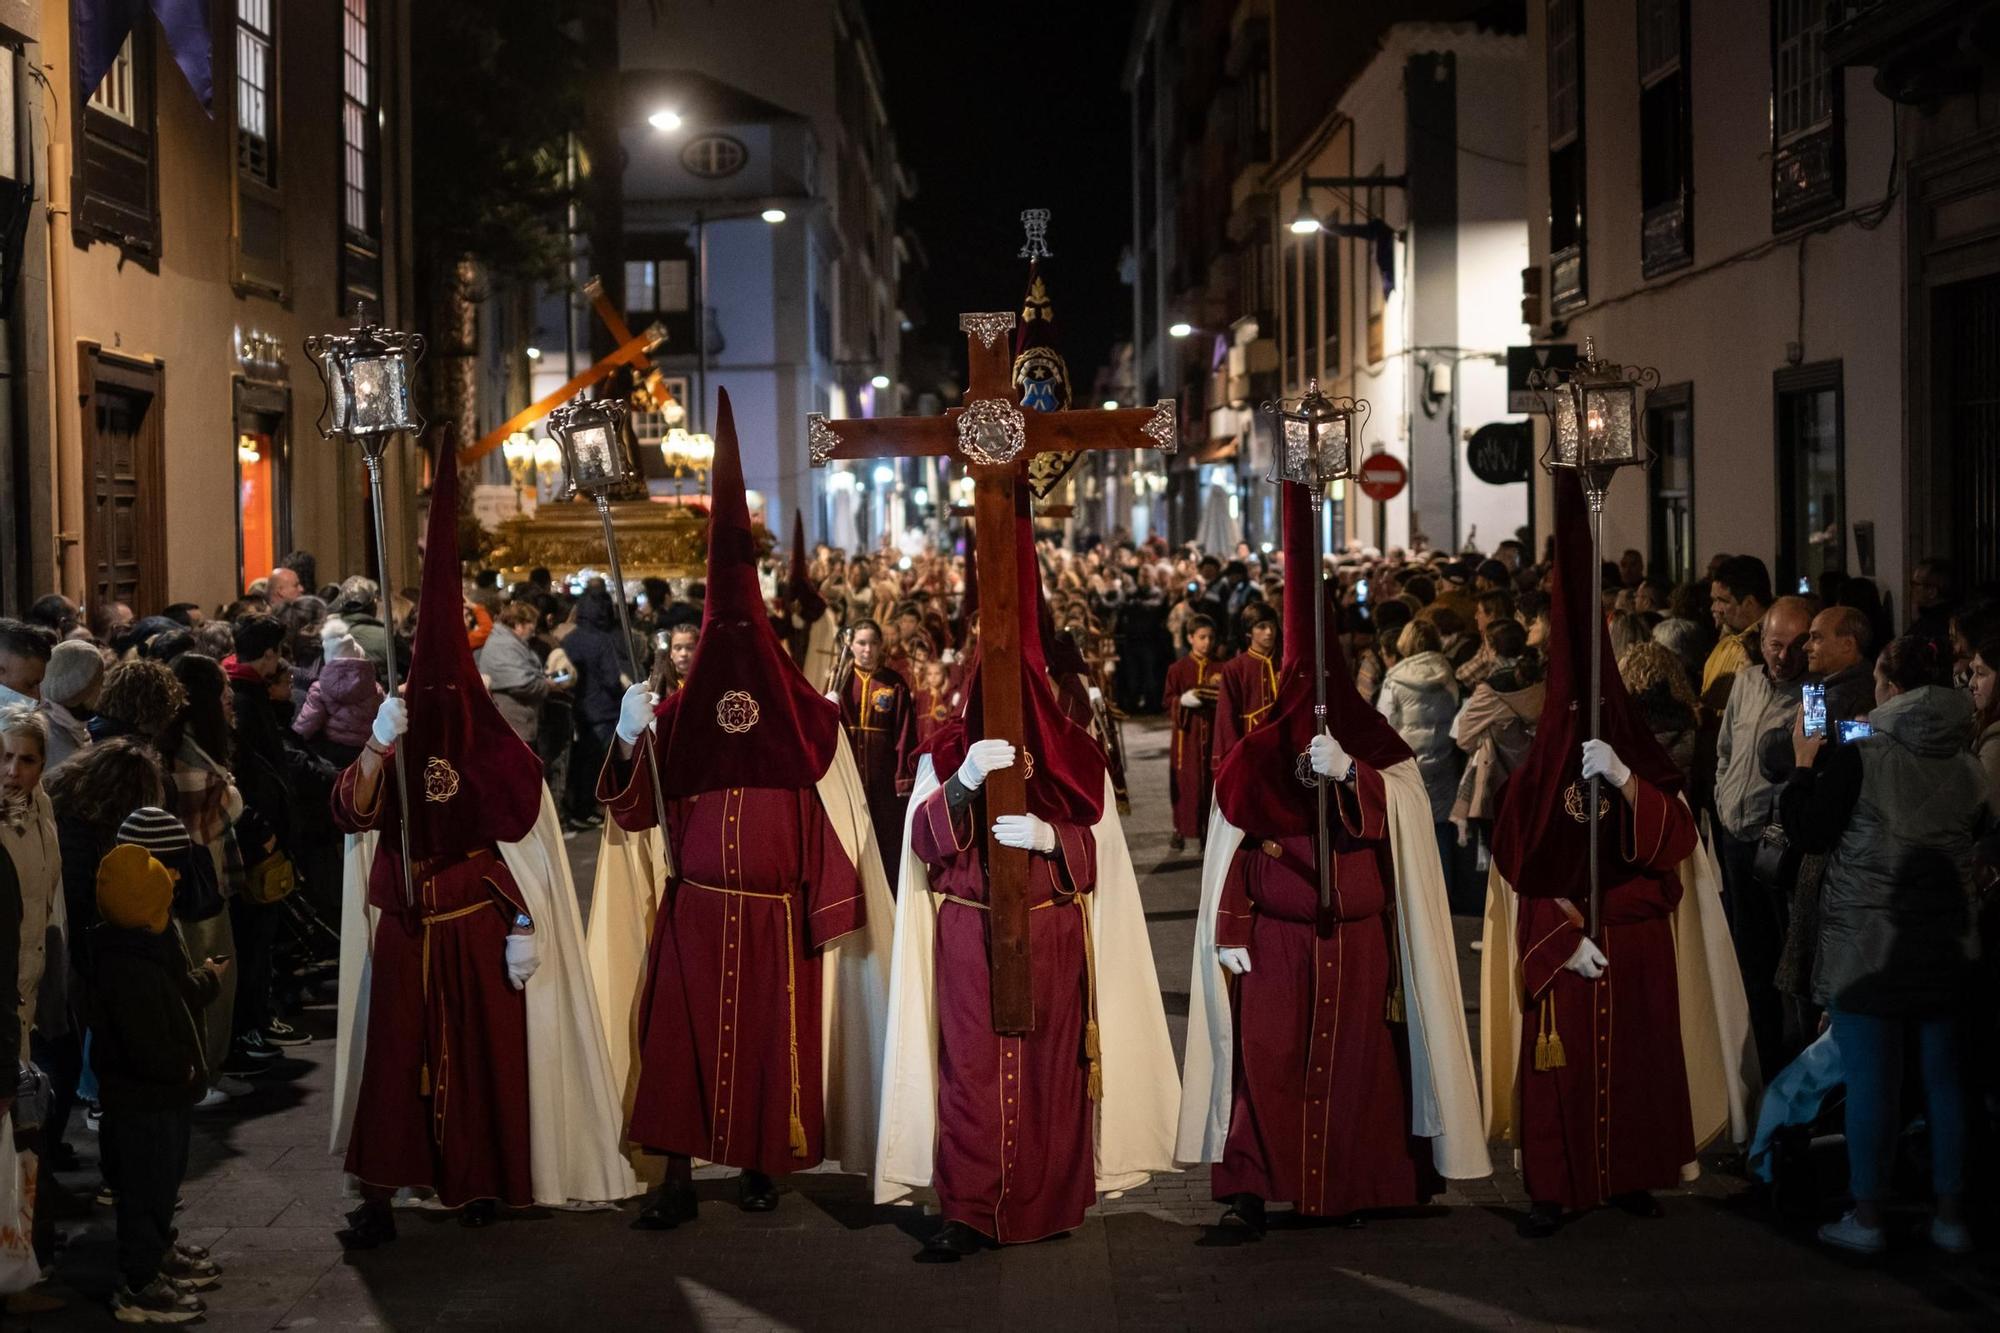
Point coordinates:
[(342, 702), (1420, 699), (1744, 796), (1898, 814)]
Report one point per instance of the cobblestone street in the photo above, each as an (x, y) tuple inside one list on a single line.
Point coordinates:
[(266, 1195)]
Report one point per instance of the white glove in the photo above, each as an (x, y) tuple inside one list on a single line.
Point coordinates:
[(1601, 761), (1328, 759), (833, 696), (1026, 832), (798, 621), (1234, 961), (1588, 961), (1096, 695), (392, 719), (635, 712), (522, 960), (948, 656), (1190, 699), (981, 758)]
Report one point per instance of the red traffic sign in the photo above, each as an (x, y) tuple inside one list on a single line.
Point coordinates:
[(1383, 477)]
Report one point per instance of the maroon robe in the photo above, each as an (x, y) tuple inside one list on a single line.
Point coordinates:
[(1320, 1115), (1613, 1117), (1014, 1148), (880, 716), (1248, 689), (729, 1019), (1191, 772), (934, 708), (443, 1103)]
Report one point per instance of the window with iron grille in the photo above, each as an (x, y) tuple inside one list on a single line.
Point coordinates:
[(1807, 167), (1566, 176), (358, 142), (1666, 160), (256, 91)]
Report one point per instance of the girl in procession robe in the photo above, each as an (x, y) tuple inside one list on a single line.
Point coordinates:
[(1190, 700), (743, 1049), (1610, 1060), (470, 1063), (1018, 1133), (1327, 1059)]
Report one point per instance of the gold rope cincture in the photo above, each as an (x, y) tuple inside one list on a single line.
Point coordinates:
[(797, 1126), (1549, 1052), (1093, 1050), (424, 1086)]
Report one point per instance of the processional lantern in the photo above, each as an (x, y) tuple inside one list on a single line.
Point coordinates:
[(367, 372), (1316, 449), (588, 431), (1597, 416)]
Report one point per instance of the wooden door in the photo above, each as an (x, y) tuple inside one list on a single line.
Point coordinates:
[(124, 535)]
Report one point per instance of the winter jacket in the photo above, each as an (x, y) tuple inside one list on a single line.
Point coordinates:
[(600, 663), (1420, 699), (519, 684), (1744, 796), (341, 703), (1987, 751), (1897, 814), (145, 1039), (68, 733), (1495, 729)]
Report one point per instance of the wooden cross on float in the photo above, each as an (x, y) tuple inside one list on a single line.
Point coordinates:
[(995, 439)]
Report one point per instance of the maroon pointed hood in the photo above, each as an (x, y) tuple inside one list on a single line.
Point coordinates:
[(473, 781), (1540, 845), (746, 717), (1257, 786), (1066, 784), (800, 590)]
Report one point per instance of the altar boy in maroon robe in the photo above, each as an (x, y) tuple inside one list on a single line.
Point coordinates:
[(1190, 700), (729, 1019), (880, 716), (1602, 1070), (1343, 1025), (445, 1076), (1247, 684)]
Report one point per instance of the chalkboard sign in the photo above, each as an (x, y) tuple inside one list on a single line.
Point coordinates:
[(1501, 453)]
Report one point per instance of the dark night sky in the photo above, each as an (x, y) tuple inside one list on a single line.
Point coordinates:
[(997, 109)]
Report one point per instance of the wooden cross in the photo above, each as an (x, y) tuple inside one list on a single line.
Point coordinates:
[(995, 438)]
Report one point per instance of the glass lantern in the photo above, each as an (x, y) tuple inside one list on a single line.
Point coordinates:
[(367, 372), (1596, 413), (1317, 435), (589, 432)]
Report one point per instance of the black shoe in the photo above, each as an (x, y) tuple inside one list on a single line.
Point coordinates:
[(1177, 843), (1639, 1204), (953, 1241), (673, 1205), (277, 1033), (478, 1214), (756, 1192), (1246, 1211), (368, 1226), (1541, 1221)]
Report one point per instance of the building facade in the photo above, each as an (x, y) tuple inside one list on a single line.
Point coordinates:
[(1714, 198), (754, 214), (165, 268)]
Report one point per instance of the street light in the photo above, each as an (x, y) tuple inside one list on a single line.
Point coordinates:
[(773, 215), (885, 476), (1180, 329), (665, 120), (1111, 404), (880, 381), (1304, 221)]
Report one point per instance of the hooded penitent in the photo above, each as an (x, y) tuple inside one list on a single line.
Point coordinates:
[(746, 717), (1064, 764), (801, 594), (473, 781), (1257, 786), (1541, 838)]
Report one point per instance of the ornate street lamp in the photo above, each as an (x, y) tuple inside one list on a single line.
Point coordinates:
[(1316, 449), (1597, 425), (367, 373)]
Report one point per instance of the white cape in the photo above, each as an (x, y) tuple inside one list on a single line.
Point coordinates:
[(1722, 1073), (573, 1113), (822, 647), (1444, 1106), (854, 969), (1135, 1120)]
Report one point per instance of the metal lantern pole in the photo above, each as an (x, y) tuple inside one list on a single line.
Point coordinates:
[(1594, 489), (1320, 840), (372, 450)]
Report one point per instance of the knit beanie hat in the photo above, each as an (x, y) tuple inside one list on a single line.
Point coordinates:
[(74, 667), (134, 891), (344, 646), (155, 830)]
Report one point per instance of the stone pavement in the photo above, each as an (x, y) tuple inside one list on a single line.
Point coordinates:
[(266, 1195)]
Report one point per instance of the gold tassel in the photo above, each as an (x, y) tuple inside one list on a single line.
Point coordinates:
[(1542, 1039), (1395, 1009), (798, 1136), (1095, 1055), (1549, 1052)]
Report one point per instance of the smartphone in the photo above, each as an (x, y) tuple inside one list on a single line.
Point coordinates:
[(1855, 729), (1805, 585), (1815, 707), (1361, 590)]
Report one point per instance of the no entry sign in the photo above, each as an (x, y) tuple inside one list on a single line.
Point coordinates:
[(1383, 477)]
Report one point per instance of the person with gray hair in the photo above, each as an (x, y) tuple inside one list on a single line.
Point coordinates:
[(70, 690)]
